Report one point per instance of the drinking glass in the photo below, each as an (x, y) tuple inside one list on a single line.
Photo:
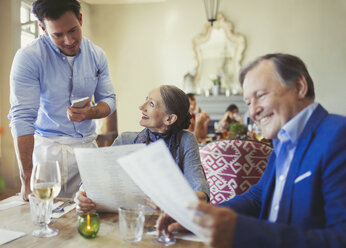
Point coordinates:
[(131, 223), (45, 185)]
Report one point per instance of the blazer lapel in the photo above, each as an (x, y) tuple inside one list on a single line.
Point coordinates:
[(302, 146)]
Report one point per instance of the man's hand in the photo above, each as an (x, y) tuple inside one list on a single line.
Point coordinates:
[(24, 146), (25, 189), (79, 114), (170, 225), (219, 223), (87, 112)]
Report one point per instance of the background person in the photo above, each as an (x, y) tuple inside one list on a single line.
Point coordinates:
[(200, 119), (231, 115), (46, 76), (300, 199), (165, 115)]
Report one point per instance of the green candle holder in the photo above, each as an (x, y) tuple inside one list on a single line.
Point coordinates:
[(88, 224)]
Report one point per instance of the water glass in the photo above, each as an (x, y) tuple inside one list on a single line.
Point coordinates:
[(39, 214), (131, 223)]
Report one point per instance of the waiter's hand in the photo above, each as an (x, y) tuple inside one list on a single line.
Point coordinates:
[(25, 189), (79, 114), (218, 223)]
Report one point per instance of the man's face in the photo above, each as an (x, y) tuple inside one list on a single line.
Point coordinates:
[(270, 104), (65, 32)]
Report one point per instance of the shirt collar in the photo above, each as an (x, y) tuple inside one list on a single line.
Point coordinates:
[(55, 48), (294, 127)]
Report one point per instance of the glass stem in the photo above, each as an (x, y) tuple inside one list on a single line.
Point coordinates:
[(46, 228)]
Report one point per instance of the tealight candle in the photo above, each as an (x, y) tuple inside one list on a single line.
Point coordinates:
[(88, 224)]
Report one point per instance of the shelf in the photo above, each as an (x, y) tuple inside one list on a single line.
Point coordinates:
[(216, 105)]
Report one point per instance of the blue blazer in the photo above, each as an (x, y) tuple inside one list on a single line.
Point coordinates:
[(313, 205)]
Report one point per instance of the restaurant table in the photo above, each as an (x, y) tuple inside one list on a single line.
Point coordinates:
[(18, 219)]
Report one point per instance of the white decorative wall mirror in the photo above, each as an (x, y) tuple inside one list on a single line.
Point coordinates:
[(218, 52)]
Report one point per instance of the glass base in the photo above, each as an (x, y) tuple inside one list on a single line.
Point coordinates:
[(45, 232), (163, 241)]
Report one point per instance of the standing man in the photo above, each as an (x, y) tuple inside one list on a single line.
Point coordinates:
[(46, 76), (300, 201)]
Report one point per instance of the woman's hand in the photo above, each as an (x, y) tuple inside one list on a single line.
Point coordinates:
[(84, 204)]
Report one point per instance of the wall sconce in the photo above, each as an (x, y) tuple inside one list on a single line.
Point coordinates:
[(211, 9)]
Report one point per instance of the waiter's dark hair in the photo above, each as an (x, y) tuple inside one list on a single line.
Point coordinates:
[(53, 9)]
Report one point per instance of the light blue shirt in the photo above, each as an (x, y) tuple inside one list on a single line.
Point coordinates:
[(43, 84), (285, 146)]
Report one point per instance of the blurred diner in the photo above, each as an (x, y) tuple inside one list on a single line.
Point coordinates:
[(200, 119)]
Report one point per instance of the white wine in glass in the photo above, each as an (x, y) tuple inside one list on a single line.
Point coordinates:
[(45, 185)]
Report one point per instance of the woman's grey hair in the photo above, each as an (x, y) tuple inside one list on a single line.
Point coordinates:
[(176, 102), (288, 68)]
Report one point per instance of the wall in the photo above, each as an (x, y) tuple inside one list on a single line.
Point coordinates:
[(10, 41), (151, 44)]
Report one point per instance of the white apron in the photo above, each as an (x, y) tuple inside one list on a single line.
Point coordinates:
[(62, 149)]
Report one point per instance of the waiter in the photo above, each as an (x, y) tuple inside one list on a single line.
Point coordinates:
[(46, 76)]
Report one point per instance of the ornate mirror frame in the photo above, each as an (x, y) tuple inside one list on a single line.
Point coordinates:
[(237, 42)]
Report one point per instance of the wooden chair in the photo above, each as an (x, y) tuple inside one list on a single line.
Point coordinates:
[(233, 166), (109, 130)]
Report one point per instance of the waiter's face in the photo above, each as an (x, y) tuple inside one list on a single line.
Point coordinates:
[(65, 32)]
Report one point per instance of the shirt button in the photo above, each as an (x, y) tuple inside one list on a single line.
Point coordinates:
[(276, 208), (63, 58), (281, 178)]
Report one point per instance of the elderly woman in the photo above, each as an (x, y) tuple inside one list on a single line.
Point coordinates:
[(165, 115)]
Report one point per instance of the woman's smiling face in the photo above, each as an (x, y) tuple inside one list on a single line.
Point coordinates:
[(154, 112)]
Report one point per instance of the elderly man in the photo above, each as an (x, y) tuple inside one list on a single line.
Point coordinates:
[(300, 200), (46, 76)]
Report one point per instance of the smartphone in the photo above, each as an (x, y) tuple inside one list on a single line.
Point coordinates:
[(79, 103)]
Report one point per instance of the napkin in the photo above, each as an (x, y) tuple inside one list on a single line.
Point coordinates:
[(66, 209), (11, 202), (7, 236)]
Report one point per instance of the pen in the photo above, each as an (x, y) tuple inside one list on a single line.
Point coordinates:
[(98, 73)]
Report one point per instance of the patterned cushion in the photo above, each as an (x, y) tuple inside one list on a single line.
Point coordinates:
[(233, 166)]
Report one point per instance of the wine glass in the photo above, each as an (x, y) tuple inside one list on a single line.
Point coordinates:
[(45, 185), (163, 239), (258, 132)]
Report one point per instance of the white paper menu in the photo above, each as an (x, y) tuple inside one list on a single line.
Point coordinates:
[(104, 181), (161, 179)]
